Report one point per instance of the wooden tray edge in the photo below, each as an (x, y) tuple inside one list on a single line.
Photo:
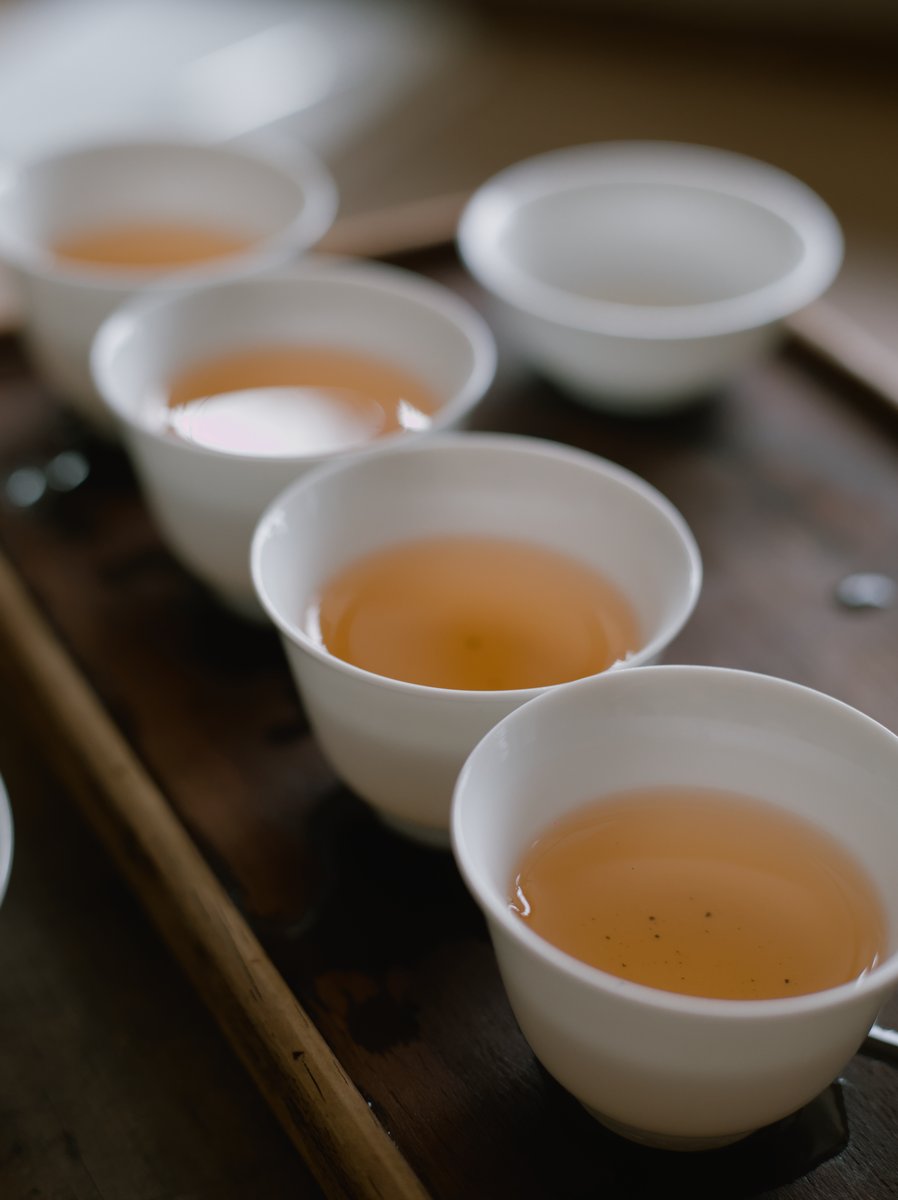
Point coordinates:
[(319, 1107)]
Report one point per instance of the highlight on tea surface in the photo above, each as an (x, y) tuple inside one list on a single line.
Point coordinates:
[(144, 245), (294, 400), (473, 613), (701, 892)]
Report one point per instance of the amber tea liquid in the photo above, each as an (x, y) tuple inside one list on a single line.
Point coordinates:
[(294, 400), (142, 245), (704, 893), (473, 613)]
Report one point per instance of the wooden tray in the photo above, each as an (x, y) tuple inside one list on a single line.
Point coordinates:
[(350, 969)]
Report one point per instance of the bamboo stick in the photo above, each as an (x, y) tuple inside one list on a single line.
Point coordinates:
[(303, 1082)]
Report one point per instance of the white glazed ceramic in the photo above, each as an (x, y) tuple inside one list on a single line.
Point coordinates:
[(669, 1069), (207, 502), (400, 745), (6, 840), (640, 275), (283, 205)]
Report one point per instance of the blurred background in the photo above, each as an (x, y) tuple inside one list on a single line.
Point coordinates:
[(414, 103)]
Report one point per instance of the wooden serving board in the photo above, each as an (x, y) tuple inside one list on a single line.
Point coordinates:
[(349, 968)]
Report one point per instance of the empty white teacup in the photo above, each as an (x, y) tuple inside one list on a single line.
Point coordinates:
[(279, 204), (400, 745), (670, 1069), (206, 501), (640, 275)]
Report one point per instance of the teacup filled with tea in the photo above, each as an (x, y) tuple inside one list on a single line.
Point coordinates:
[(226, 394), (424, 592), (688, 877), (89, 227)]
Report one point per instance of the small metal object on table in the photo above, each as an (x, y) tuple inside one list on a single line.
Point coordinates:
[(350, 969)]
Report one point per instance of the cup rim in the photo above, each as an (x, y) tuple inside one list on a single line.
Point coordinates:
[(359, 273), (676, 164), (7, 838), (471, 443), (880, 978), (301, 167)]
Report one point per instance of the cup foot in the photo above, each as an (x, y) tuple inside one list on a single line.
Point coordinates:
[(664, 1141), (427, 835)]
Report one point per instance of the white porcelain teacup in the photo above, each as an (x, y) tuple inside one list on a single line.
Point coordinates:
[(641, 275), (280, 204), (6, 840), (207, 501), (668, 1069), (400, 745)]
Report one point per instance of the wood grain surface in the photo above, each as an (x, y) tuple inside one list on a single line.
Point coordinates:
[(789, 482), (114, 1082), (306, 1086)]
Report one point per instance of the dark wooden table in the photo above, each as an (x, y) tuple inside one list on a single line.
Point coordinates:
[(114, 1083), (790, 483)]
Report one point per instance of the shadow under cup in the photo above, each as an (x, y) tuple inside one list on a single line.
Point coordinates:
[(663, 1068)]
